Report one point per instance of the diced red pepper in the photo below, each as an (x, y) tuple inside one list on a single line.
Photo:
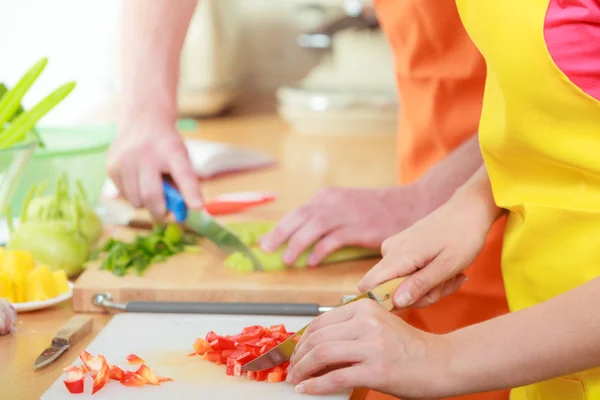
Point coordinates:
[(133, 359), (75, 368), (115, 372), (133, 379), (93, 364), (245, 358), (222, 343), (192, 354), (237, 369), (210, 336), (213, 356), (148, 374), (75, 381), (252, 332), (278, 328), (202, 346), (164, 379), (102, 377), (276, 376), (262, 375), (251, 375), (229, 370)]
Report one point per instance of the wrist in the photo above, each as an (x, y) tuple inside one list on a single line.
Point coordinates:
[(476, 199)]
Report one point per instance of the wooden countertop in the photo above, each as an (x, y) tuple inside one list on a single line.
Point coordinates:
[(306, 164)]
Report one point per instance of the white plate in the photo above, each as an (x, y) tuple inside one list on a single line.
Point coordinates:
[(38, 305)]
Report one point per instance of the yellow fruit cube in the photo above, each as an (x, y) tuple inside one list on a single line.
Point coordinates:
[(6, 287), (41, 284), (61, 281)]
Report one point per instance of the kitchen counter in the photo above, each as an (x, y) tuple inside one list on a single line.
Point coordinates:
[(305, 164)]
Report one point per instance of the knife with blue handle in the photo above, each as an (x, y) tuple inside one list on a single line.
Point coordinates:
[(205, 225)]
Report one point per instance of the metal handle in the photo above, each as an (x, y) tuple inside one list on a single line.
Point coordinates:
[(293, 309)]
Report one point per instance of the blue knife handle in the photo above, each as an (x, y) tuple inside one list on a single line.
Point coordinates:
[(175, 202)]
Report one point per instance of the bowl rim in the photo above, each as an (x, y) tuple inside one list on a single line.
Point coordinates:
[(106, 130)]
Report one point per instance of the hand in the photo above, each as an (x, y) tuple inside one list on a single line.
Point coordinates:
[(434, 252), (142, 152), (360, 345), (337, 217)]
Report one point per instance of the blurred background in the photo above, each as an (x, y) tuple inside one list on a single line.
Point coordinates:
[(319, 57)]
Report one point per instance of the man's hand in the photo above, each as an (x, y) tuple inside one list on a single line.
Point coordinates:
[(337, 217), (141, 154)]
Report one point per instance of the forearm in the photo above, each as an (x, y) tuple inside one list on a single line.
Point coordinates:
[(442, 180), (153, 36), (551, 339)]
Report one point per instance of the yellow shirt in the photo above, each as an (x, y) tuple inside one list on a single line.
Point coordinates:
[(540, 139)]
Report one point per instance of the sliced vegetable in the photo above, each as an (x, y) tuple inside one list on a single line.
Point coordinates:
[(236, 350), (102, 377), (133, 359), (161, 243), (102, 372)]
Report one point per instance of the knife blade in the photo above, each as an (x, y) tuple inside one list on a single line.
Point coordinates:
[(205, 225), (73, 331), (382, 294)]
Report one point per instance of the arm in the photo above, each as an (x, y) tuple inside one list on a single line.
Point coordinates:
[(153, 36), (551, 339), (440, 182)]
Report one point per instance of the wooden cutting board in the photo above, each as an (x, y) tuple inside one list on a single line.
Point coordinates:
[(202, 277), (164, 341)]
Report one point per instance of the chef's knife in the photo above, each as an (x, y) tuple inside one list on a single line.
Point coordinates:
[(205, 225), (75, 329), (104, 300), (382, 294)]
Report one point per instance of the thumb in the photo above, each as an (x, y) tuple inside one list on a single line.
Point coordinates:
[(417, 285)]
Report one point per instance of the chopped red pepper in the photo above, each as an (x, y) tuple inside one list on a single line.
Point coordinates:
[(133, 359), (115, 372), (148, 374), (164, 379), (102, 377), (133, 379), (222, 343), (211, 336), (251, 375), (75, 380), (192, 354)]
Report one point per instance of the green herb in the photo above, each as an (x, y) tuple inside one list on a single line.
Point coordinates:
[(17, 124), (161, 243)]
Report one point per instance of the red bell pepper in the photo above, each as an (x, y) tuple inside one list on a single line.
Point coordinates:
[(148, 374), (202, 346), (75, 380), (115, 372), (102, 377), (133, 359), (133, 379)]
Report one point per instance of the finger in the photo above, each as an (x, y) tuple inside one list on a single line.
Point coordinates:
[(151, 191), (284, 229), (351, 377), (335, 240), (305, 236), (327, 355), (185, 178), (345, 331), (417, 285), (398, 263), (130, 182), (445, 289), (335, 316)]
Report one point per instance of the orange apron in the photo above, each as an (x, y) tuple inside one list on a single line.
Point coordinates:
[(441, 77)]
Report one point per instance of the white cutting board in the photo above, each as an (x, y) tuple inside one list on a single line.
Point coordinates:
[(163, 341)]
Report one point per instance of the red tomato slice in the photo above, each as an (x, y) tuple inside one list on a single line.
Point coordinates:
[(148, 374), (133, 359), (102, 377), (132, 379), (115, 372), (202, 346)]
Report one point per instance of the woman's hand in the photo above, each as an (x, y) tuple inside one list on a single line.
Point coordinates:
[(362, 345), (437, 249)]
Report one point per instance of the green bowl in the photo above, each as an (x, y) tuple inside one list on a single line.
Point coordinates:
[(78, 151), (12, 166)]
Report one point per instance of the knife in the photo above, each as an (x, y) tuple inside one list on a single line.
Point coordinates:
[(73, 331), (104, 300), (382, 294), (205, 225)]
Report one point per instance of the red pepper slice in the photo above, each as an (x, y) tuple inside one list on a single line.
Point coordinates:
[(75, 368), (213, 356), (245, 358), (133, 359), (102, 377), (132, 379), (262, 375), (164, 379), (251, 375), (222, 343), (115, 372), (252, 332), (276, 376), (278, 328), (237, 369), (93, 364), (202, 346), (211, 336), (74, 381), (148, 374)]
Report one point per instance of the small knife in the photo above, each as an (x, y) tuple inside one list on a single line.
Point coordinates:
[(73, 331), (205, 225), (382, 294)]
